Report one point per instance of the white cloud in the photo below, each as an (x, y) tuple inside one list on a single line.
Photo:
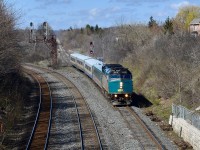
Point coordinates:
[(137, 2), (94, 12), (50, 2), (161, 14), (179, 5), (114, 9), (102, 12)]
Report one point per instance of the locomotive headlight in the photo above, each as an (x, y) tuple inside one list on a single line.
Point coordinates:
[(126, 95), (115, 95), (121, 85)]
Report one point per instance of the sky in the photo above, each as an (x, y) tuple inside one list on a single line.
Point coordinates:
[(63, 14)]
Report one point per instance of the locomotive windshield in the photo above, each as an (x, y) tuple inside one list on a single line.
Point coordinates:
[(116, 71), (120, 73)]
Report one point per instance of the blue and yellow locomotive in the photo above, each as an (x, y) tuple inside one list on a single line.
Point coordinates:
[(114, 80), (117, 82)]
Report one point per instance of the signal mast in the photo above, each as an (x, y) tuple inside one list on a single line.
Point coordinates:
[(91, 49), (47, 39)]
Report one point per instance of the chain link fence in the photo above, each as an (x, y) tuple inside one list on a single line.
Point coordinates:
[(191, 117)]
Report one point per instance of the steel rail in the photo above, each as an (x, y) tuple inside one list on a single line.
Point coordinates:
[(33, 74), (145, 127), (99, 140), (64, 79), (78, 116), (77, 112), (97, 133), (36, 119), (129, 125), (50, 118)]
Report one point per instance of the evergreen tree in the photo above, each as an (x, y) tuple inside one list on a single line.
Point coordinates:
[(87, 26), (92, 29), (96, 28), (152, 23), (82, 31), (88, 29), (168, 26)]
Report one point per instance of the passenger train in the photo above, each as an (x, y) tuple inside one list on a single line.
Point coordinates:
[(114, 80)]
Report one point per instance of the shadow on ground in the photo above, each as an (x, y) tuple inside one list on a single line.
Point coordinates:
[(140, 101)]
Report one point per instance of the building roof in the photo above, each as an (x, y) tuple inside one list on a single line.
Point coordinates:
[(195, 21)]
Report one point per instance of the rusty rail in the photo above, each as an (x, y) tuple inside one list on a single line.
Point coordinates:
[(42, 125), (145, 127), (89, 135)]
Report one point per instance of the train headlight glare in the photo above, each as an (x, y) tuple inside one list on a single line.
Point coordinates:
[(126, 95), (121, 85), (115, 95)]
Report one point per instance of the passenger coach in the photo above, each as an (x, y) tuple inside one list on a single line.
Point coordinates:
[(89, 66), (114, 80), (77, 60)]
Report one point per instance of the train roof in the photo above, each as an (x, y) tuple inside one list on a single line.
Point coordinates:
[(115, 69), (99, 65), (80, 56), (92, 61), (89, 60), (118, 71), (112, 65)]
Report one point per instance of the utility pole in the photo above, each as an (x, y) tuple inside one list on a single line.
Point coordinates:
[(47, 39)]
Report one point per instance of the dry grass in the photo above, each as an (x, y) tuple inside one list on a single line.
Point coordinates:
[(14, 90)]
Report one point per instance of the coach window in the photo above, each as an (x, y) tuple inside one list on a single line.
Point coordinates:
[(79, 62), (88, 68), (97, 74), (72, 59)]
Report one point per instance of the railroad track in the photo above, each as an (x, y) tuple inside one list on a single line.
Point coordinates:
[(88, 133), (139, 129), (42, 125)]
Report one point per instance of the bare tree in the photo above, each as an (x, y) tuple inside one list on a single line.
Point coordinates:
[(10, 77), (9, 58)]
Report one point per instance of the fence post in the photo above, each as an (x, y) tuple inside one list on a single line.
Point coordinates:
[(180, 133), (172, 119)]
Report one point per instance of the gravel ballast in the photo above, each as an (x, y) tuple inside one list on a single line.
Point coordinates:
[(114, 131)]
